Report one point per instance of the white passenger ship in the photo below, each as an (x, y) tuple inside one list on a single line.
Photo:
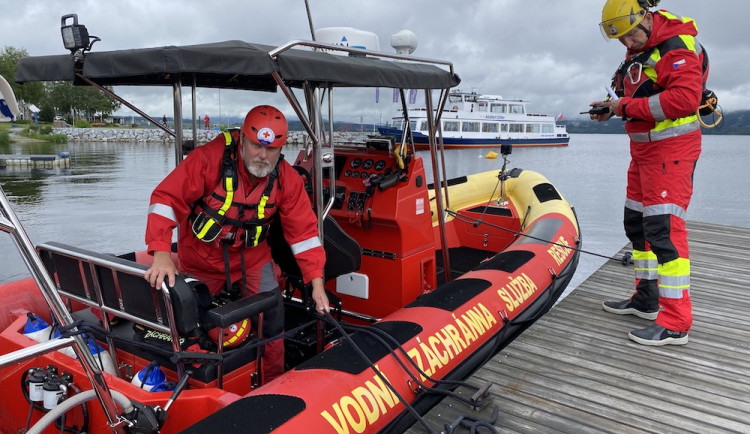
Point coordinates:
[(483, 121)]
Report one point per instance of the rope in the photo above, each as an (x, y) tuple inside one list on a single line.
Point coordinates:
[(477, 222), (380, 375), (712, 105)]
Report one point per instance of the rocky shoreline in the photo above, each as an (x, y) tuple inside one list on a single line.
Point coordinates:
[(157, 135)]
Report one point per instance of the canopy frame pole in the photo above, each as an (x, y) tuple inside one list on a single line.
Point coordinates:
[(127, 104), (436, 175), (177, 92), (440, 144), (195, 111)]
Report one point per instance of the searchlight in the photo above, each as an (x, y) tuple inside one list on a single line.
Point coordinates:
[(75, 36)]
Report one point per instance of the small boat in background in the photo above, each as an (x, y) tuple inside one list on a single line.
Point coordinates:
[(482, 121), (8, 104)]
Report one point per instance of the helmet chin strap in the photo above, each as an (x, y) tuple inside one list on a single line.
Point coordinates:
[(645, 30)]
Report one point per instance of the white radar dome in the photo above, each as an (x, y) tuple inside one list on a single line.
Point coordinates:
[(404, 41), (348, 37)]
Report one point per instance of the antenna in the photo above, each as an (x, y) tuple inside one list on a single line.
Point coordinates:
[(404, 41), (309, 20)]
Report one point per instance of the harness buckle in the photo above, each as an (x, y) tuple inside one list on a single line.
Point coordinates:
[(639, 67)]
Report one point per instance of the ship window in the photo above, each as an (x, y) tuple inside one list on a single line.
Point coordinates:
[(499, 108), (413, 125), (423, 126), (450, 126), (516, 108), (504, 128), (490, 127), (547, 128), (455, 98), (516, 128), (532, 128), (482, 106), (470, 127)]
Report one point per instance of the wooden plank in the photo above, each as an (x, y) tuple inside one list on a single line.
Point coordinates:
[(576, 371)]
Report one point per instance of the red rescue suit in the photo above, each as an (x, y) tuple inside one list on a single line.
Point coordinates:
[(195, 181), (661, 90)]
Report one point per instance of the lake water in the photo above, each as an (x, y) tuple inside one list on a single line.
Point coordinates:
[(100, 202)]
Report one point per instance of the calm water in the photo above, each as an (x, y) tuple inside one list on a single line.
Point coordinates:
[(100, 202)]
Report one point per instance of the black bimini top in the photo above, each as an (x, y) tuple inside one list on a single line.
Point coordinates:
[(234, 65)]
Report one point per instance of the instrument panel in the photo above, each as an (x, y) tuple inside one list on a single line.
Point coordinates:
[(369, 167), (358, 172), (353, 171)]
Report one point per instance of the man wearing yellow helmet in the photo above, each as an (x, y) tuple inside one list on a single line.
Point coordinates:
[(659, 86)]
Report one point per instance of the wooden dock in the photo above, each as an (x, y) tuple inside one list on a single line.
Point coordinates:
[(576, 371)]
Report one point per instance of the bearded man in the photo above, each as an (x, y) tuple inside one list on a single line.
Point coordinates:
[(224, 211)]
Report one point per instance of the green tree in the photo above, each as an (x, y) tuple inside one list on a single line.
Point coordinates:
[(93, 101), (83, 101), (30, 93), (60, 96), (46, 113)]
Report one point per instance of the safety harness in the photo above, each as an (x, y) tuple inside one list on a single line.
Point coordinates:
[(633, 68), (208, 223)]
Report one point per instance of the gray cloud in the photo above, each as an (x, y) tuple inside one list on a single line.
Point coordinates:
[(547, 51)]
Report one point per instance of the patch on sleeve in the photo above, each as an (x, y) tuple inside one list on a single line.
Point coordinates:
[(678, 63)]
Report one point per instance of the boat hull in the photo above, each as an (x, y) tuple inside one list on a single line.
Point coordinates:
[(421, 141), (446, 334)]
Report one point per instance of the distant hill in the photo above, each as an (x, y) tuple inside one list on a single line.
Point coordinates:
[(737, 122), (294, 124)]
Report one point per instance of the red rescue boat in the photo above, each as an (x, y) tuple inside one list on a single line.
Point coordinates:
[(428, 283)]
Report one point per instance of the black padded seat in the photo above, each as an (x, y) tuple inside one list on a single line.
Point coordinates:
[(343, 253), (117, 287)]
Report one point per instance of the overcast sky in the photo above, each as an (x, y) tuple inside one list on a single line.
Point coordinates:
[(549, 52)]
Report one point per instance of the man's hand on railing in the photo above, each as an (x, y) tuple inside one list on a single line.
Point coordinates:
[(162, 267)]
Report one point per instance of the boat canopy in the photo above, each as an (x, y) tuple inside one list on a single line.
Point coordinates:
[(239, 65), (234, 65)]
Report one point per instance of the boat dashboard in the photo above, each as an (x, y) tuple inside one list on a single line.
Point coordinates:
[(357, 171)]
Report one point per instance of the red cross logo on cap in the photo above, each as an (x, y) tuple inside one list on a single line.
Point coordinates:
[(266, 136)]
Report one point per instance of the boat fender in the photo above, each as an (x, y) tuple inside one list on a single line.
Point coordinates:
[(150, 378), (68, 351), (102, 357), (36, 328)]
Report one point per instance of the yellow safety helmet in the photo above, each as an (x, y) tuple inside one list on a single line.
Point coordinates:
[(621, 16)]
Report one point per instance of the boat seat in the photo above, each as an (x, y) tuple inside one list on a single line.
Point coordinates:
[(116, 287), (343, 253)]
